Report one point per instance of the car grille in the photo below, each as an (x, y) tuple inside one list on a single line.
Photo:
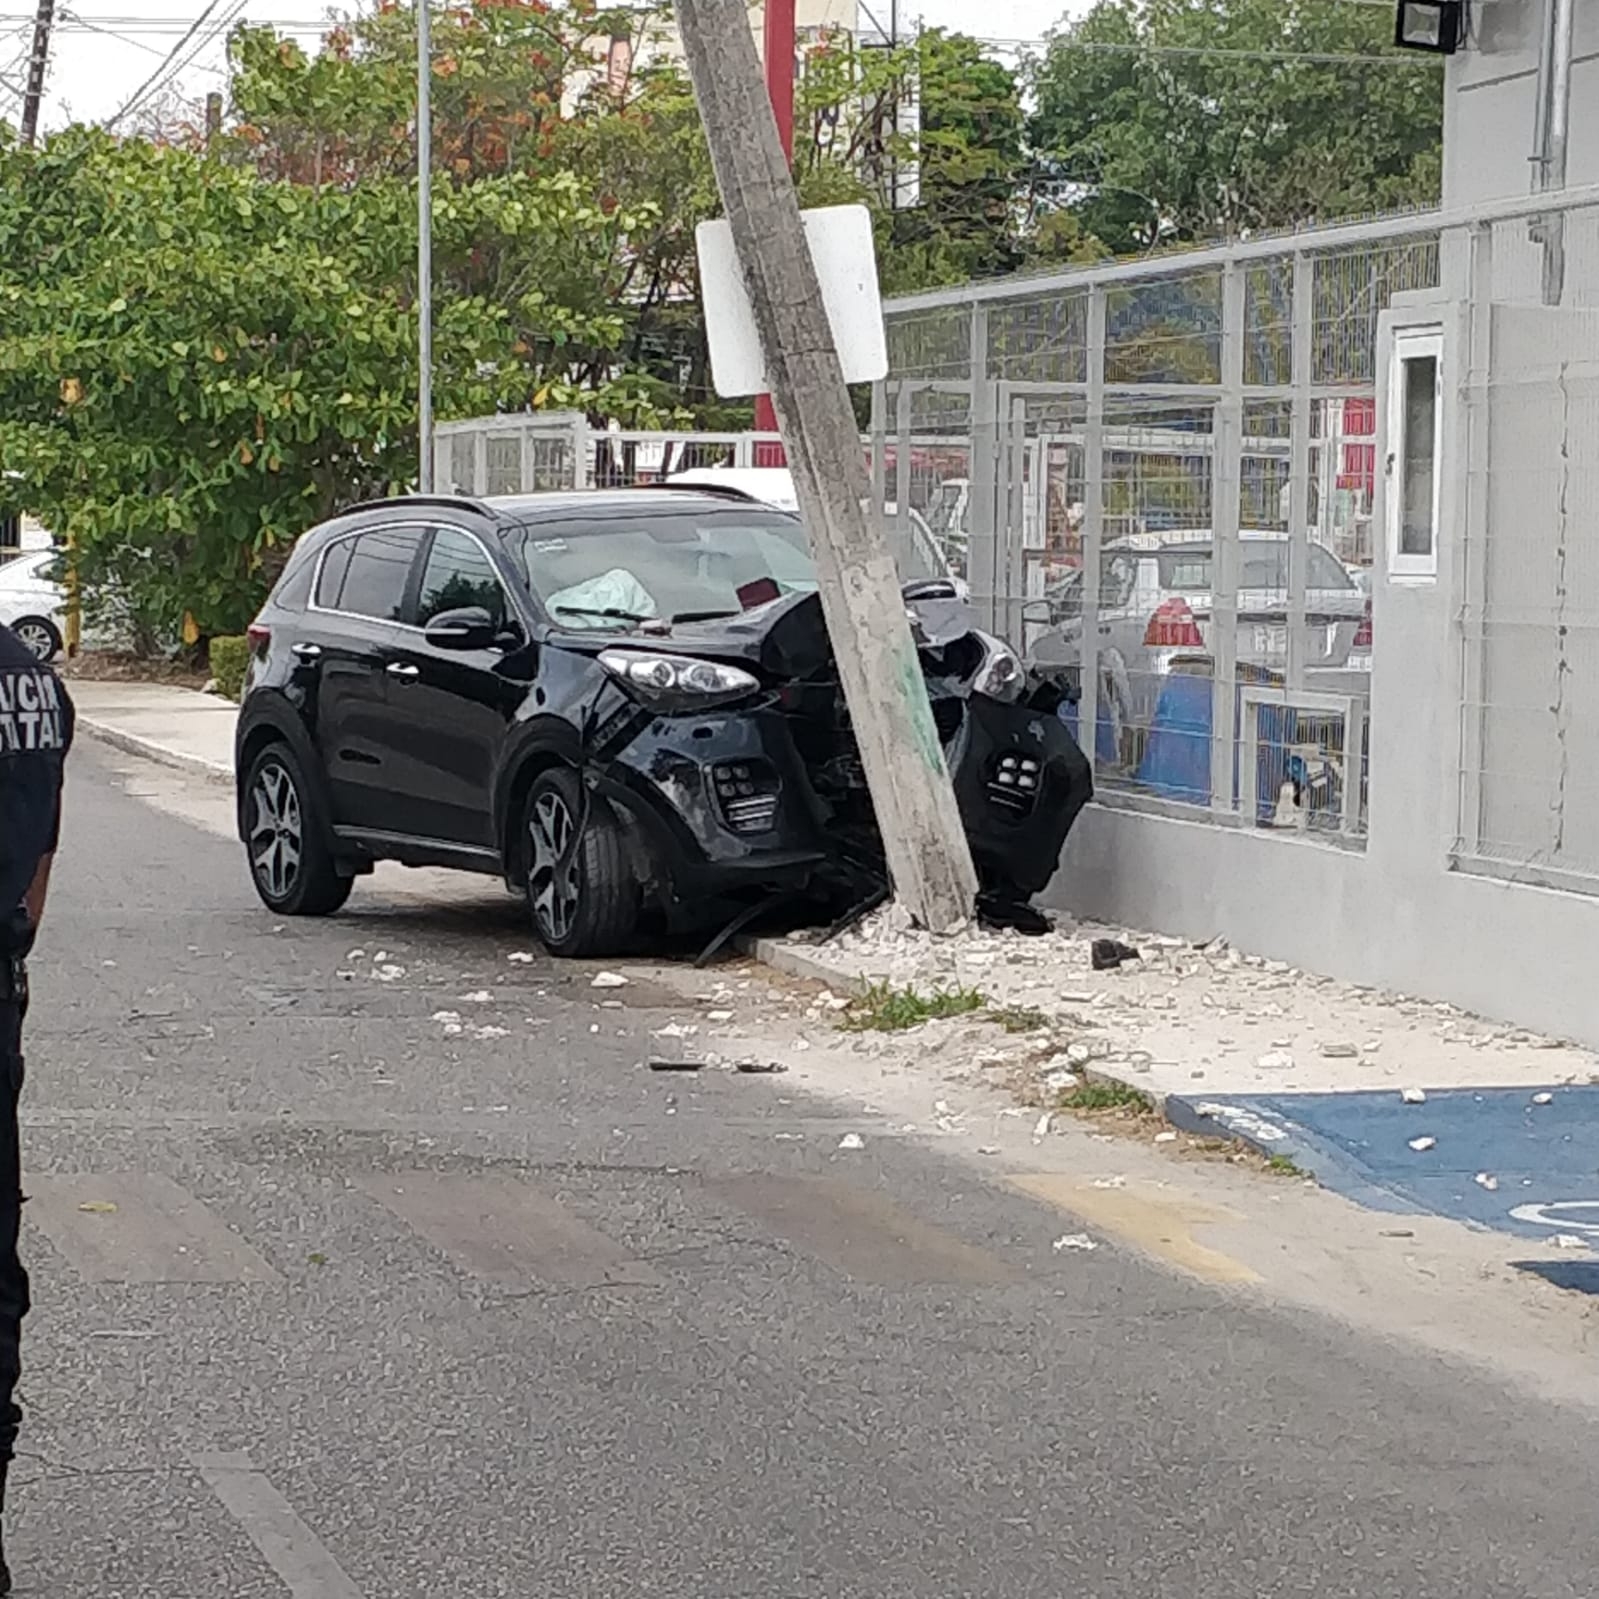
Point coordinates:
[(1013, 782), (747, 794)]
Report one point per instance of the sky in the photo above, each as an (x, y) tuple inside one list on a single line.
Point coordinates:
[(105, 50)]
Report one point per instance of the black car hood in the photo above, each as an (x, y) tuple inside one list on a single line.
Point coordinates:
[(784, 639)]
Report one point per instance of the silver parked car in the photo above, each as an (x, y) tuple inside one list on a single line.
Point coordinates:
[(1155, 616)]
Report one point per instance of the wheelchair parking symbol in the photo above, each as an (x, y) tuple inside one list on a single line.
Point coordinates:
[(1558, 1215)]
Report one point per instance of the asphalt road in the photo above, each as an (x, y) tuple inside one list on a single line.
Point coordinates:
[(383, 1311)]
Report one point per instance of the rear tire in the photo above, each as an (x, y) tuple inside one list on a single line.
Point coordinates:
[(581, 891), (291, 864), (39, 635)]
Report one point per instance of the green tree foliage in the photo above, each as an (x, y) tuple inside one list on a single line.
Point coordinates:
[(973, 169), (196, 364), (1173, 120)]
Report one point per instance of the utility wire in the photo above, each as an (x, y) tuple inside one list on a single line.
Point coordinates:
[(171, 63)]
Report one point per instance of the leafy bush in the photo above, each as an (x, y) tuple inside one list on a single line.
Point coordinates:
[(230, 658)]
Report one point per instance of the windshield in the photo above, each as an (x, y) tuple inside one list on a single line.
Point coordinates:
[(625, 568), (1264, 567)]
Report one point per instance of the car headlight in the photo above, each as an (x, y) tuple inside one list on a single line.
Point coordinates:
[(1002, 675), (677, 682)]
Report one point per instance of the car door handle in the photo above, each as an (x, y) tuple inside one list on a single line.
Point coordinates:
[(307, 652), (402, 670)]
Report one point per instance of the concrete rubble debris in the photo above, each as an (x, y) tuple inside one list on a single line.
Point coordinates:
[(1276, 1060), (1074, 1241), (1487, 1180), (852, 1141), (1166, 1138), (1543, 1099), (1569, 1241), (1421, 1145), (608, 980)]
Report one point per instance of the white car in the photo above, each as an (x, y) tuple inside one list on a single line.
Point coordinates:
[(774, 486), (32, 604)]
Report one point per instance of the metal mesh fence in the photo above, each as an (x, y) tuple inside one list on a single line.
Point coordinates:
[(1200, 435)]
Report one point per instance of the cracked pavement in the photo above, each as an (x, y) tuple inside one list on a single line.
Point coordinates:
[(332, 1304)]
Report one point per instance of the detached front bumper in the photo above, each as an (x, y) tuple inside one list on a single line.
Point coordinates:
[(1021, 782)]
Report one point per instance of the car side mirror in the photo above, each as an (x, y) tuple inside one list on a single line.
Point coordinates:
[(470, 628)]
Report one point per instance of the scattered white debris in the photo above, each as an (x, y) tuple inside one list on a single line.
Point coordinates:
[(1569, 1241), (1487, 1180), (1276, 1060), (1042, 1127), (719, 1016), (445, 1017), (481, 997), (987, 1149), (490, 1032), (381, 956), (852, 1141), (1059, 1080), (594, 1027), (520, 957), (1543, 1099), (1110, 1182), (674, 1030), (1420, 1145), (1074, 1241), (1413, 1096), (1340, 1049), (608, 980), (1166, 1138), (388, 973)]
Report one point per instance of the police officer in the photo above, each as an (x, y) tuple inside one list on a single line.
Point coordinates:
[(35, 733)]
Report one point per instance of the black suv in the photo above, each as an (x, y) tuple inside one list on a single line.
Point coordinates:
[(623, 703)]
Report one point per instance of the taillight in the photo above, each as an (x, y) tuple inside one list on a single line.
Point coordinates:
[(1363, 632), (1173, 627), (259, 635)]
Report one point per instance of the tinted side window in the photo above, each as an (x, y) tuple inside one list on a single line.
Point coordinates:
[(379, 570), (334, 565), (458, 574)]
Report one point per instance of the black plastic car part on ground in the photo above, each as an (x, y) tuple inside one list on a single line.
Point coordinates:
[(625, 704)]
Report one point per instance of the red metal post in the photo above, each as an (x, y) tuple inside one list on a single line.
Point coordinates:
[(778, 51)]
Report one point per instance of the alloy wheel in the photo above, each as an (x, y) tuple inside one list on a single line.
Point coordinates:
[(553, 884), (35, 637), (277, 834)]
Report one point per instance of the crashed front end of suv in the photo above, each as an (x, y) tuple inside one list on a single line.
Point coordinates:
[(724, 749)]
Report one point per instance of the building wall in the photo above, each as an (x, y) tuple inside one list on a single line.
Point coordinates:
[(1491, 102)]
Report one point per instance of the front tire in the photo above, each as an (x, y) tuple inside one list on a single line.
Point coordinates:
[(581, 891), (39, 635), (290, 863)]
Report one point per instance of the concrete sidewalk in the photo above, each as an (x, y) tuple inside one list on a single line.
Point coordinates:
[(177, 727)]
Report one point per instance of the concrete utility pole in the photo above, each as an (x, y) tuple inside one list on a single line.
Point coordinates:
[(38, 59), (928, 856), (424, 246)]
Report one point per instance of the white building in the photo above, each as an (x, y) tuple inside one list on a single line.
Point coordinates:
[(1452, 846)]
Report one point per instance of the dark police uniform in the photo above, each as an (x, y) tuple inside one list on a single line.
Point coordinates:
[(36, 723)]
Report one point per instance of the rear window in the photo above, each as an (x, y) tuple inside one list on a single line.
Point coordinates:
[(368, 575), (1264, 567)]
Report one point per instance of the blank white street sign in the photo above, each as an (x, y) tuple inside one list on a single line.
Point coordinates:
[(840, 237)]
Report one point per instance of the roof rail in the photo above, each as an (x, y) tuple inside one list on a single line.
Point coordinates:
[(728, 491), (456, 502)]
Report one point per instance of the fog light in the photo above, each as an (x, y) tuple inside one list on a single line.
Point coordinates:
[(1431, 25)]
